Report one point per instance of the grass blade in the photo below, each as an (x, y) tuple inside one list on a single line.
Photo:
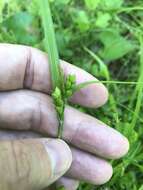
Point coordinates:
[(84, 84), (56, 73), (50, 43), (139, 87), (102, 66)]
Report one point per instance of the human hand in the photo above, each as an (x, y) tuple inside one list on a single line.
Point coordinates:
[(26, 105)]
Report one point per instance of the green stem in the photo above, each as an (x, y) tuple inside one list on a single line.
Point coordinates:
[(139, 87), (99, 61), (84, 84), (60, 129), (128, 9)]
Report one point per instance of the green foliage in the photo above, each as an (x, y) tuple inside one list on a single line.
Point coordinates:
[(20, 24), (103, 70), (91, 4), (103, 19), (111, 5), (104, 37), (61, 188), (115, 46), (81, 20)]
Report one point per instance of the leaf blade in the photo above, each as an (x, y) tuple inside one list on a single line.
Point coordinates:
[(50, 43)]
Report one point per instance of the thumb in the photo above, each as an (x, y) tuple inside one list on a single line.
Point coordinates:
[(32, 164)]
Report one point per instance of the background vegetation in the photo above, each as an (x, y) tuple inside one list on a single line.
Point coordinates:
[(104, 37)]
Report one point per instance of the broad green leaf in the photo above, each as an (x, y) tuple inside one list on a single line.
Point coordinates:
[(103, 19), (91, 4), (19, 21), (141, 187), (82, 20), (33, 8), (21, 26), (115, 46), (111, 4), (64, 2), (63, 37)]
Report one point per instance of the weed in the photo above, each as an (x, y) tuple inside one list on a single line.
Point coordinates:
[(104, 38)]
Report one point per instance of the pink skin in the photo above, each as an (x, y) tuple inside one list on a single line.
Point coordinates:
[(28, 67), (68, 183), (33, 110), (24, 68)]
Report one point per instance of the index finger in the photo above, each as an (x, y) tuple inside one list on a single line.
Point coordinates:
[(28, 68)]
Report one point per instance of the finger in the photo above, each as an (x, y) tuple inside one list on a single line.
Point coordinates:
[(66, 183), (26, 67), (85, 167), (32, 163), (15, 135), (89, 168), (35, 111)]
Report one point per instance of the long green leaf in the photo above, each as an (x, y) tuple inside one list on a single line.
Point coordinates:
[(50, 43), (139, 86)]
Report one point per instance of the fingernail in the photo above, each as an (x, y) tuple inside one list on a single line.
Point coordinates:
[(60, 155)]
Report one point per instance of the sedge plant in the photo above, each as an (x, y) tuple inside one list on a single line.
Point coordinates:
[(63, 88), (109, 30)]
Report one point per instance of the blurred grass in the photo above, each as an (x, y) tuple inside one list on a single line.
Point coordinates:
[(106, 39)]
